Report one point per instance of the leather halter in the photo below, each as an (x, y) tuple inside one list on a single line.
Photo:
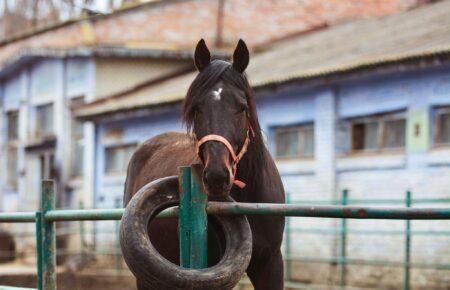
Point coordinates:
[(236, 158)]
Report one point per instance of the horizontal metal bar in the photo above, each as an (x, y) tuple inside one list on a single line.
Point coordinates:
[(17, 217), (84, 214), (98, 214), (357, 201), (351, 261), (333, 231), (321, 211), (328, 211), (15, 288)]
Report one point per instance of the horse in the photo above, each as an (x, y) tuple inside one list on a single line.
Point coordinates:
[(224, 135)]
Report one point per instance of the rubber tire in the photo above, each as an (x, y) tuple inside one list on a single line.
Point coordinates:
[(153, 270)]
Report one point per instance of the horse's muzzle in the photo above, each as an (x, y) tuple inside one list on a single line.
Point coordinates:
[(217, 181)]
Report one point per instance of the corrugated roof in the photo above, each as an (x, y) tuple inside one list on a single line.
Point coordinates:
[(30, 54), (424, 31)]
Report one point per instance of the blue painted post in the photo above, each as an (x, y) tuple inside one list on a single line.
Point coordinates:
[(343, 248), (49, 237), (406, 274)]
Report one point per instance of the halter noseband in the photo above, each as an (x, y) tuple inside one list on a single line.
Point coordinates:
[(236, 158)]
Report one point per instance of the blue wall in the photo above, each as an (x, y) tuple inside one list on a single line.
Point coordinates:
[(130, 131), (421, 168)]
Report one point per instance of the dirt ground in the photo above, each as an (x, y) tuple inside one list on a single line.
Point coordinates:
[(25, 276), (94, 277)]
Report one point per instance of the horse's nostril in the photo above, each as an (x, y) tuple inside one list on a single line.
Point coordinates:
[(216, 177)]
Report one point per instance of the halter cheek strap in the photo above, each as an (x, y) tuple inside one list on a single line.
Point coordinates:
[(236, 158)]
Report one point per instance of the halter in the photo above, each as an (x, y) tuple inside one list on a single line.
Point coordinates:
[(236, 158)]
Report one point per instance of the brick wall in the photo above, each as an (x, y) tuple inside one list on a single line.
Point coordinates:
[(184, 22)]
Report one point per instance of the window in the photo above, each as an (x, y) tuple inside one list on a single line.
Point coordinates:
[(77, 140), (377, 133), (13, 171), (12, 174), (47, 165), (442, 126), (294, 141), (44, 121), (13, 125), (117, 158)]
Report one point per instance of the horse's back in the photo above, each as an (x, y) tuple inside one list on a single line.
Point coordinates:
[(158, 157)]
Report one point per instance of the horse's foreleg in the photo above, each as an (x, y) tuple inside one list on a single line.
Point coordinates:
[(266, 271)]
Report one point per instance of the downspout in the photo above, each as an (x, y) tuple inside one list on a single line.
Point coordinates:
[(219, 24)]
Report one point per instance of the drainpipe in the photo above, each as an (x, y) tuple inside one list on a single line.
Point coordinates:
[(219, 26)]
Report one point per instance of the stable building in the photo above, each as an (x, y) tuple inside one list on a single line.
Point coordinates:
[(41, 139), (362, 106)]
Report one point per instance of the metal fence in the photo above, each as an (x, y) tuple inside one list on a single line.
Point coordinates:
[(342, 259), (46, 218)]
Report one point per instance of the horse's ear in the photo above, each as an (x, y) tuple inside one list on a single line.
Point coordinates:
[(202, 56), (241, 56)]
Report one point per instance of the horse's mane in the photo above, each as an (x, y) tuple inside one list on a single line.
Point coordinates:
[(216, 71)]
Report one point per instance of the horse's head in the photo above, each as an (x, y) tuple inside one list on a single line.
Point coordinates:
[(218, 110)]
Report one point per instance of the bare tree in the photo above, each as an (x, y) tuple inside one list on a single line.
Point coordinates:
[(18, 16)]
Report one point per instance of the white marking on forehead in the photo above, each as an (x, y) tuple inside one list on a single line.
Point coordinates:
[(217, 95)]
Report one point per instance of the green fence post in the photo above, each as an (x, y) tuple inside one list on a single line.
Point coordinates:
[(39, 249), (287, 245), (117, 252), (406, 274), (193, 220), (82, 233), (343, 248), (49, 238), (184, 224), (199, 220)]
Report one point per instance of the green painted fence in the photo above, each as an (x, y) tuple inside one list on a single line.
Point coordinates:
[(193, 222)]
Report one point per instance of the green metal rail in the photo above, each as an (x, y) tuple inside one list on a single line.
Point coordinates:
[(192, 214)]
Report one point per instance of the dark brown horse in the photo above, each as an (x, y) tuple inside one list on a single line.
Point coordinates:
[(219, 102)]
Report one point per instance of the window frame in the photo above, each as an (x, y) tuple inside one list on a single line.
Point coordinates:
[(8, 116), (381, 119), (76, 137), (12, 178), (293, 127), (439, 111), (113, 147), (41, 134)]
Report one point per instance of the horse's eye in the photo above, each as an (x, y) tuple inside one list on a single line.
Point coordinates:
[(242, 109)]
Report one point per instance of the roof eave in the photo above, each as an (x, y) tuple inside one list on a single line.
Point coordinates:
[(386, 65)]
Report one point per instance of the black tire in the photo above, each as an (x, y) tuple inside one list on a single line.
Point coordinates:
[(153, 270)]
